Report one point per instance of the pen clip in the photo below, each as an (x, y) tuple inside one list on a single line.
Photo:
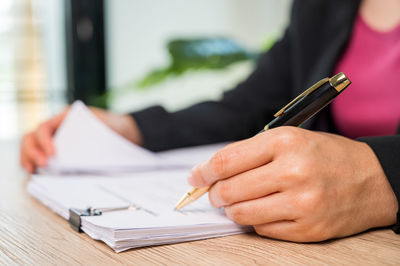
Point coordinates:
[(304, 93)]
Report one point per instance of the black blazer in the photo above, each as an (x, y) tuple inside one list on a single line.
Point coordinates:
[(309, 50)]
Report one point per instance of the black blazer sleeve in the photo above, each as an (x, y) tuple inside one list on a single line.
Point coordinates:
[(240, 114), (387, 150)]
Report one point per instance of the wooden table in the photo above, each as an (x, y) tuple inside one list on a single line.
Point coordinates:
[(31, 234)]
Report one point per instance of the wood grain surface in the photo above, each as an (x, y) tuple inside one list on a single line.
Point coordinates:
[(31, 234)]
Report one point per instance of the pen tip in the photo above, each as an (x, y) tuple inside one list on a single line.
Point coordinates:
[(183, 202), (178, 206)]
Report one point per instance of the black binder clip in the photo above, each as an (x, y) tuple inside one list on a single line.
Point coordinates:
[(75, 217), (75, 214)]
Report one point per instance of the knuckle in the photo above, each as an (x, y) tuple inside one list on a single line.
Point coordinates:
[(287, 137), (310, 202), (302, 171), (218, 163)]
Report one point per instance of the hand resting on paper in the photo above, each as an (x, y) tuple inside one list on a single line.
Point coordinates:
[(37, 146), (298, 185)]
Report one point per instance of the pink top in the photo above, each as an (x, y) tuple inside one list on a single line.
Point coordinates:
[(371, 105)]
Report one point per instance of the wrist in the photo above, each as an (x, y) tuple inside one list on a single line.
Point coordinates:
[(124, 125), (130, 130)]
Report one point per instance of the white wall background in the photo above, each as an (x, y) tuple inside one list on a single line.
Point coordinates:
[(138, 30)]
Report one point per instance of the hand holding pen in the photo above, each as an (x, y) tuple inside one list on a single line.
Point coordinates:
[(294, 184), (299, 110)]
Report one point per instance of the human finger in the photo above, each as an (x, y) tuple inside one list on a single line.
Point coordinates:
[(284, 230), (25, 163), (253, 184), (45, 132), (28, 167), (275, 207), (44, 135), (293, 230), (233, 160), (34, 154)]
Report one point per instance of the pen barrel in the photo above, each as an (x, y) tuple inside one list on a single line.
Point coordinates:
[(305, 108)]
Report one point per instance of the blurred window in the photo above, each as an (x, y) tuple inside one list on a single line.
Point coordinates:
[(7, 84), (21, 68)]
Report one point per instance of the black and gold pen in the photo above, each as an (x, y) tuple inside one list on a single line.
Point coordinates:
[(294, 113)]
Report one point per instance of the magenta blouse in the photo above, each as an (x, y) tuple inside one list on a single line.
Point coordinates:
[(371, 105)]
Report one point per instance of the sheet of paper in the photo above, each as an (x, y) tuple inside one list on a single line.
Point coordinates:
[(84, 144)]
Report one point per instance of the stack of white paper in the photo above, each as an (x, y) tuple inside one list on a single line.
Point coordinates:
[(156, 181), (151, 218)]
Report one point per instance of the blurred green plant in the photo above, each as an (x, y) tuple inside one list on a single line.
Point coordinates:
[(197, 54), (214, 53)]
